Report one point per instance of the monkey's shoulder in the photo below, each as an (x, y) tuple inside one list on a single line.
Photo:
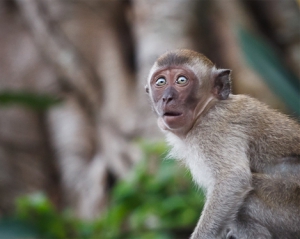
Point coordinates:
[(265, 130), (241, 120), (248, 111)]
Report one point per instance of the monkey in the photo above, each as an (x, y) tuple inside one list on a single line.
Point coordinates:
[(245, 155)]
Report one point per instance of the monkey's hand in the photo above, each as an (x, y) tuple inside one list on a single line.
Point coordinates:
[(223, 202)]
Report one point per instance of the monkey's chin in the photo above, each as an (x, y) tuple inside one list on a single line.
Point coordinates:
[(171, 123)]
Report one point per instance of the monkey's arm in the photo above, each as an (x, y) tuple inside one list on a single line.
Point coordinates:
[(224, 200)]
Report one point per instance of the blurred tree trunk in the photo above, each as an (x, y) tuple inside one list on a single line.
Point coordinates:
[(91, 136), (95, 56), (26, 156), (160, 26)]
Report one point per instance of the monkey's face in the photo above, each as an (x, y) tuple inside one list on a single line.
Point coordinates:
[(183, 85), (175, 95)]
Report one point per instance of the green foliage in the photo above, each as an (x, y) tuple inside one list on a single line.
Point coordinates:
[(264, 59), (157, 201), (35, 216), (37, 210), (30, 100)]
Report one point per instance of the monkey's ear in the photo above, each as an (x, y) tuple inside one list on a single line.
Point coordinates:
[(147, 88), (222, 84)]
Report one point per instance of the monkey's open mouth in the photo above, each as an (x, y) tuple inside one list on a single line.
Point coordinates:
[(172, 114)]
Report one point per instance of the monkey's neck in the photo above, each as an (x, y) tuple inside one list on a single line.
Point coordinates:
[(202, 109)]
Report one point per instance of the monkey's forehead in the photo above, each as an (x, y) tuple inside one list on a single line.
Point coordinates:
[(182, 56)]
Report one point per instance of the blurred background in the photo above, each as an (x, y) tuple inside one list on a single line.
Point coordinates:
[(81, 155)]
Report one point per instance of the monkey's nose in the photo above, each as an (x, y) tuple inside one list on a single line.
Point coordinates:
[(167, 98), (169, 95)]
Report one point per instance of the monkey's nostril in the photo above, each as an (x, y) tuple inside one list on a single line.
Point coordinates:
[(167, 99), (169, 94)]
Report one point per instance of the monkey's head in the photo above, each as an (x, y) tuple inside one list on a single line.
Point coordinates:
[(182, 84)]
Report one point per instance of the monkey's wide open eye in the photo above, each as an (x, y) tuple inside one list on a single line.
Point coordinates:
[(181, 80), (160, 81)]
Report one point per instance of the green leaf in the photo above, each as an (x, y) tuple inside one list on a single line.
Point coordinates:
[(37, 210), (28, 99)]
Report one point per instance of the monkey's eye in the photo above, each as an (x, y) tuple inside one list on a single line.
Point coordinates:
[(181, 80), (160, 81)]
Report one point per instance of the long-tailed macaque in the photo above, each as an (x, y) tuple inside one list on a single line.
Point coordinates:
[(246, 155)]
